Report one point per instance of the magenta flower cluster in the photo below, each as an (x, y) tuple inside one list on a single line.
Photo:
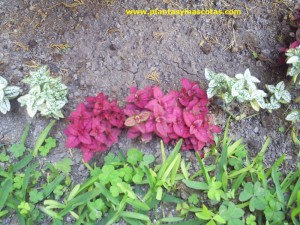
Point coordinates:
[(171, 116), (96, 125)]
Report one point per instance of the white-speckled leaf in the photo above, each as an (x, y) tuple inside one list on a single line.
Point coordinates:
[(286, 96), (31, 110), (4, 106), (12, 92), (1, 95), (271, 88), (207, 73), (3, 82), (293, 116)]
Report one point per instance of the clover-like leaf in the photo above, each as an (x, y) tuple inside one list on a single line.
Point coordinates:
[(24, 208), (193, 199), (64, 165), (17, 150), (134, 156), (35, 196), (215, 192), (58, 191), (231, 213), (256, 194)]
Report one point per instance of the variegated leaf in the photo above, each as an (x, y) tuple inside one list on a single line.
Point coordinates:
[(293, 116), (11, 92), (3, 82), (4, 106)]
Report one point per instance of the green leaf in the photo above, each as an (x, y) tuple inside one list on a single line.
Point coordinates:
[(17, 150), (51, 213), (24, 208), (58, 191), (247, 193), (64, 165), (42, 137), (148, 159), (51, 186), (114, 191), (197, 185), (4, 157), (35, 196), (138, 204), (193, 199), (21, 164), (6, 188), (134, 215), (134, 156)]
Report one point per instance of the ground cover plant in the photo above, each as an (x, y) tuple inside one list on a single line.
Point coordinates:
[(95, 126), (23, 181), (7, 93), (239, 190), (232, 189), (47, 95)]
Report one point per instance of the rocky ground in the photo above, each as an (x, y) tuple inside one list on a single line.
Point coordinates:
[(108, 51)]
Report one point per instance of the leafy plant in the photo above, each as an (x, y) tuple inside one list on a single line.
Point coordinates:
[(294, 116), (243, 88), (109, 190), (172, 116), (47, 95), (245, 187), (94, 126), (7, 93), (20, 180), (293, 59)]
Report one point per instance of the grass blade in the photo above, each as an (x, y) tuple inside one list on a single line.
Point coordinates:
[(293, 196), (169, 160), (51, 186), (25, 133), (275, 165), (223, 163), (21, 164), (26, 182), (138, 204), (135, 215), (42, 137), (202, 166), (196, 185), (277, 185), (5, 190)]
